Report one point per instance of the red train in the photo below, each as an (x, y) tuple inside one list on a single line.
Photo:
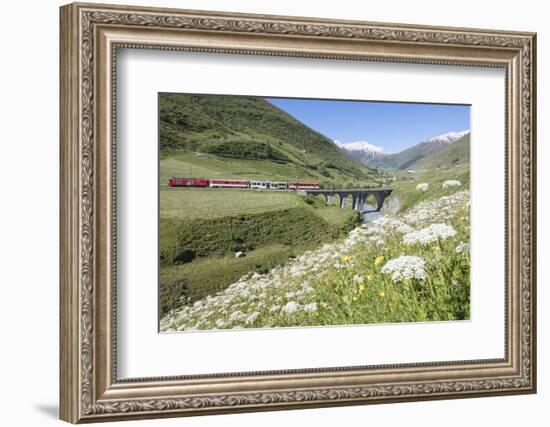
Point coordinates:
[(237, 183), (303, 186), (187, 182)]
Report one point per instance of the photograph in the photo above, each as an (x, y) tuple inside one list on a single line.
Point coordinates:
[(290, 212)]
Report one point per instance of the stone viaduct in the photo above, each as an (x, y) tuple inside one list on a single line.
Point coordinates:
[(358, 195)]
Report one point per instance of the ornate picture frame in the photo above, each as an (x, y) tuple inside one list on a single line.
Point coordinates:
[(90, 37)]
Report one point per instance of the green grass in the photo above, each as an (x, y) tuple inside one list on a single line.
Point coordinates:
[(195, 203), (184, 163), (443, 295), (333, 214), (184, 240), (353, 282), (201, 229), (182, 167), (192, 203), (183, 283), (405, 185)]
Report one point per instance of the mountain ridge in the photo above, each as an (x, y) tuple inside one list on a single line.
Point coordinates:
[(407, 158), (449, 137), (361, 150), (454, 154)]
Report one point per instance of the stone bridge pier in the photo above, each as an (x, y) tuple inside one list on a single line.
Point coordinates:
[(358, 196)]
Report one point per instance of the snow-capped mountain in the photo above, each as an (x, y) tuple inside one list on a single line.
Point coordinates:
[(449, 137), (361, 150)]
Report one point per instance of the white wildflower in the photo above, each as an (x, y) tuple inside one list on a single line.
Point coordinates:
[(438, 210), (451, 183), (274, 308), (306, 289), (357, 279), (236, 315), (404, 228), (405, 267), (385, 225), (429, 234), (251, 317), (310, 308), (423, 187), (291, 307), (244, 293), (462, 248)]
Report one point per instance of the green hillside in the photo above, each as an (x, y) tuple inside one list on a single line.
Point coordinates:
[(205, 132), (404, 187), (453, 155)]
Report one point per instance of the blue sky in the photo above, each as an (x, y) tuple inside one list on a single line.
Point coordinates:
[(393, 126)]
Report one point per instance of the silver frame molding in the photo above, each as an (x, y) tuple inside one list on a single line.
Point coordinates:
[(90, 37)]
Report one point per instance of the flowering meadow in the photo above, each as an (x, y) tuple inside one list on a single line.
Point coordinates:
[(408, 267)]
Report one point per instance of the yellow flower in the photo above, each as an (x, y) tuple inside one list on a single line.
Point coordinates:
[(382, 294), (346, 258), (355, 298), (369, 276), (379, 260), (361, 288)]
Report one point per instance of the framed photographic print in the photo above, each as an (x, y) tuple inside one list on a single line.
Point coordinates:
[(265, 212)]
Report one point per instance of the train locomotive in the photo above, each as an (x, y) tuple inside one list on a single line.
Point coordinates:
[(237, 183), (188, 182)]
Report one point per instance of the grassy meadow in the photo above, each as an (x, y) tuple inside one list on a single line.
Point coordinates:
[(192, 203), (201, 230), (412, 266), (404, 186)]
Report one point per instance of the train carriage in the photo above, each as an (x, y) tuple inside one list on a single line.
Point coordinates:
[(228, 183), (303, 186), (268, 185), (260, 185), (279, 185)]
